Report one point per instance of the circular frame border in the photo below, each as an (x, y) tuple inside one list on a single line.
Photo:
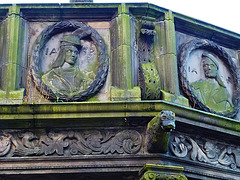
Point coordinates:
[(203, 44), (83, 31)]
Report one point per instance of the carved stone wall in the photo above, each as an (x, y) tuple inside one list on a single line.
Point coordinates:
[(126, 61)]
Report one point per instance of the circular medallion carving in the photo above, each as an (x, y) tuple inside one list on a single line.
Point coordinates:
[(209, 77), (69, 61)]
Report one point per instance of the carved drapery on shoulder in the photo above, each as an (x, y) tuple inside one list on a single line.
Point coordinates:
[(69, 61)]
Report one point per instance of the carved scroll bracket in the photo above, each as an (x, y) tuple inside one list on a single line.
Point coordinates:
[(147, 27), (161, 172), (149, 76)]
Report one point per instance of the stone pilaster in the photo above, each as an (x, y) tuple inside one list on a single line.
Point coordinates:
[(13, 66), (166, 60), (121, 56)]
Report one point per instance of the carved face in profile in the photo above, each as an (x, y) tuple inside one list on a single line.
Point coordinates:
[(210, 68), (71, 54)]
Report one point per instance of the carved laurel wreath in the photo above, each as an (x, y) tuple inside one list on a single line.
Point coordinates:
[(83, 31), (204, 44)]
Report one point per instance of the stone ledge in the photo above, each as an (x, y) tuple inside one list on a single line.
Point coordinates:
[(109, 164), (120, 113), (77, 164), (198, 170)]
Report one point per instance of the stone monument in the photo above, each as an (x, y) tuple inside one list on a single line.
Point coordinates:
[(116, 91)]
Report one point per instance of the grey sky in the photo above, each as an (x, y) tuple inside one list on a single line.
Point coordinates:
[(224, 14)]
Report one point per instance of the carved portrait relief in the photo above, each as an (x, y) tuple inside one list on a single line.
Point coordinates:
[(209, 77), (69, 61)]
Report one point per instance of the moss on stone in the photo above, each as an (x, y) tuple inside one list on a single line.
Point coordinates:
[(175, 99), (157, 171), (118, 94)]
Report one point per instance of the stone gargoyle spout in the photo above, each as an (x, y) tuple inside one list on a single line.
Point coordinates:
[(158, 132)]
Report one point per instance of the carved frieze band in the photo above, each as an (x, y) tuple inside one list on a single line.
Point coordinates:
[(206, 151), (68, 143)]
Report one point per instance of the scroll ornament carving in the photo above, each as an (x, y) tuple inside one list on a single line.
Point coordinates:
[(148, 28), (68, 143), (157, 176), (206, 152), (5, 144), (148, 32)]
